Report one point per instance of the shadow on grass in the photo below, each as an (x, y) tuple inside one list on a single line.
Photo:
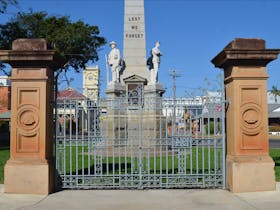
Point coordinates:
[(110, 168), (277, 160), (123, 169), (4, 141)]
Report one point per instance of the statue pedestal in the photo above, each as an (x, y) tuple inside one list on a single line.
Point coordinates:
[(153, 90), (153, 121), (115, 122), (141, 124), (115, 90)]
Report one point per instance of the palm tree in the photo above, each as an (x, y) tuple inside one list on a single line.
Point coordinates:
[(275, 92)]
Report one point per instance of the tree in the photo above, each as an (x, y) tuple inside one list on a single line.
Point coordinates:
[(275, 92), (76, 42), (4, 4)]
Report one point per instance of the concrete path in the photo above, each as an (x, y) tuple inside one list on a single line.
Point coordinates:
[(142, 200)]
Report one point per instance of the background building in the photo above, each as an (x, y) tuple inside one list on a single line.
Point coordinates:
[(70, 111), (91, 82), (5, 103)]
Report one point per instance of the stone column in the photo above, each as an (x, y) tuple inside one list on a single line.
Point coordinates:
[(134, 40), (248, 164), (30, 168)]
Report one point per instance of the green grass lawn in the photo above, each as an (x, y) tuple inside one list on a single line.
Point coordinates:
[(83, 164), (155, 163), (4, 156), (275, 154)]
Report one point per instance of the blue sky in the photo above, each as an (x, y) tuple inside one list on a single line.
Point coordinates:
[(191, 33)]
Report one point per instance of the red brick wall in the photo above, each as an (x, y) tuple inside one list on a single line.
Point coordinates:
[(5, 99)]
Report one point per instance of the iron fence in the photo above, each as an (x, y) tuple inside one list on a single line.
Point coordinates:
[(137, 144)]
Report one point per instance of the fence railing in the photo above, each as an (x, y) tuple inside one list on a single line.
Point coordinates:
[(150, 143)]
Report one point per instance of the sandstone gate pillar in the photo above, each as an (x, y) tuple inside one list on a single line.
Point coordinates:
[(248, 164), (30, 168)]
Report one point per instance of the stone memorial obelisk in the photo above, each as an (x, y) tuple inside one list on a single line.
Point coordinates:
[(134, 45), (135, 82), (136, 74), (137, 77)]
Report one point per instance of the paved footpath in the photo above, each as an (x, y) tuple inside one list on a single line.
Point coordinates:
[(142, 200)]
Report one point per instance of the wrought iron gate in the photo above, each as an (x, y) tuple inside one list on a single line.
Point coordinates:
[(140, 143)]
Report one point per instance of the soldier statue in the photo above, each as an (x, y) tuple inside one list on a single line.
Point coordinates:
[(154, 62)]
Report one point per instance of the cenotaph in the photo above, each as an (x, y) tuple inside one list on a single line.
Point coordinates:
[(134, 51), (134, 81)]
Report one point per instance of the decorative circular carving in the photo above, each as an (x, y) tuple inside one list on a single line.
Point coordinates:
[(251, 117), (90, 77), (28, 118)]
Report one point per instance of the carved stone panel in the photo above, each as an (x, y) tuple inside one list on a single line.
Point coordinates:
[(251, 118), (28, 96), (134, 94), (28, 119), (28, 144), (250, 94)]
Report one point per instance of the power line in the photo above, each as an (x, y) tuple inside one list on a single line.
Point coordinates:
[(174, 74)]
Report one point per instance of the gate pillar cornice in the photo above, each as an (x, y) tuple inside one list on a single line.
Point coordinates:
[(248, 164), (30, 169)]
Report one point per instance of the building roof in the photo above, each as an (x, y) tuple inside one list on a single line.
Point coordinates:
[(212, 110), (274, 110), (69, 93)]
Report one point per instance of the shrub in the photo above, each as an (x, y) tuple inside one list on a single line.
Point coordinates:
[(274, 128), (4, 127), (211, 125)]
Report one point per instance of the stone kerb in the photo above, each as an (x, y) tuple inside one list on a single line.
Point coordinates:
[(248, 165), (30, 169)]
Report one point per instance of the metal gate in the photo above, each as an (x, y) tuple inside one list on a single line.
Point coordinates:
[(134, 142)]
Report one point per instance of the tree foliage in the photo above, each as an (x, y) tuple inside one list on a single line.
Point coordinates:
[(275, 92), (76, 42), (4, 4)]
